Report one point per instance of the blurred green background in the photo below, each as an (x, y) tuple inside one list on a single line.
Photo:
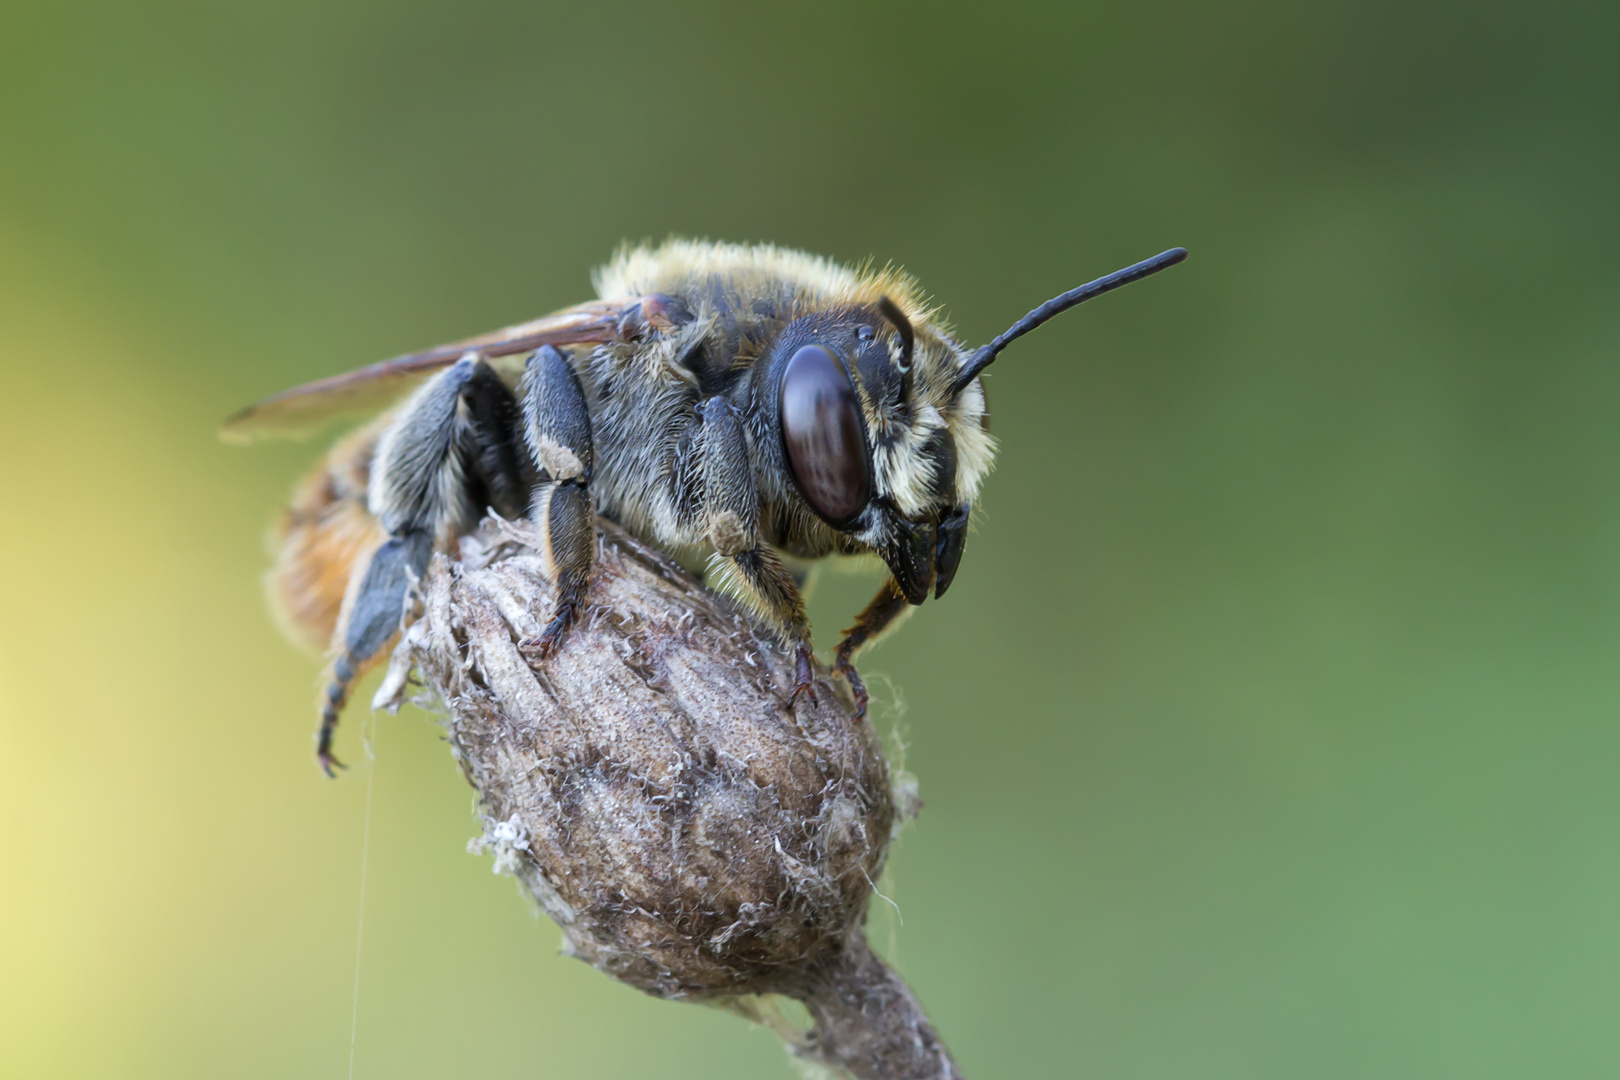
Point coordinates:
[(1271, 727)]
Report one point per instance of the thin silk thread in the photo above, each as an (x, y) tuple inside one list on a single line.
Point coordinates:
[(360, 920)]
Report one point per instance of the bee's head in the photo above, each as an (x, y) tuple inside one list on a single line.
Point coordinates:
[(881, 418), (877, 442)]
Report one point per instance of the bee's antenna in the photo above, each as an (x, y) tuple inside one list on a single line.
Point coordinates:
[(1059, 304), (902, 326)]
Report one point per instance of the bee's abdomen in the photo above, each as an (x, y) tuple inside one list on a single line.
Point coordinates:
[(325, 532)]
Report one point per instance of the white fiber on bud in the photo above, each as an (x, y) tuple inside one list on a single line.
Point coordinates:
[(505, 839)]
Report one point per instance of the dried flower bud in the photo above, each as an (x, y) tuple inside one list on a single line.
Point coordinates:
[(692, 835)]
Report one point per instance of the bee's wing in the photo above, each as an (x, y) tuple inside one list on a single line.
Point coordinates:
[(304, 409)]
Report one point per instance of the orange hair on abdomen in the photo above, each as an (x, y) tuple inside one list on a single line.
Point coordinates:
[(323, 535)]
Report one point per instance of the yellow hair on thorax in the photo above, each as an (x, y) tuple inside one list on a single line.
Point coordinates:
[(636, 270)]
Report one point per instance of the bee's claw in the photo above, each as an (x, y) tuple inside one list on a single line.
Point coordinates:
[(804, 676), (857, 687), (552, 635), (336, 695)]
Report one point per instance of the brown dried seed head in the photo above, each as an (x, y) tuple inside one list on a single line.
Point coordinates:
[(691, 835)]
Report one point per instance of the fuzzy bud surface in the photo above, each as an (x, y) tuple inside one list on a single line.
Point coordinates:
[(691, 834)]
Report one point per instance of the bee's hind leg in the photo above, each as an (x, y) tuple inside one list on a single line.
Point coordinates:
[(451, 452), (729, 518), (557, 429)]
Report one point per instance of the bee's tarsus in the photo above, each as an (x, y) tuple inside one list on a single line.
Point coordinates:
[(857, 687), (887, 606), (335, 696), (552, 635), (804, 675)]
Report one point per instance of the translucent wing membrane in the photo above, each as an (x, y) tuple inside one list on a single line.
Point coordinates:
[(303, 410)]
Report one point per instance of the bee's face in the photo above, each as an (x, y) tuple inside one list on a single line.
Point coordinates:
[(876, 443)]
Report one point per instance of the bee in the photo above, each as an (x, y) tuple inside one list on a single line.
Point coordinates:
[(744, 407)]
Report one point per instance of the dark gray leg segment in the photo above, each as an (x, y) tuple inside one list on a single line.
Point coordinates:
[(556, 423), (453, 451), (494, 444), (568, 524), (557, 431), (729, 508), (374, 619), (410, 488)]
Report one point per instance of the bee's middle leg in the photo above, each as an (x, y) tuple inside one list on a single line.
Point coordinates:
[(557, 429), (728, 508)]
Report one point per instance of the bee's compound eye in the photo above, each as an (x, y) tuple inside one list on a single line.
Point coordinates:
[(821, 431)]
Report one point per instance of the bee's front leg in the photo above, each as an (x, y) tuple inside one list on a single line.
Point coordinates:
[(887, 606), (728, 518), (557, 428)]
